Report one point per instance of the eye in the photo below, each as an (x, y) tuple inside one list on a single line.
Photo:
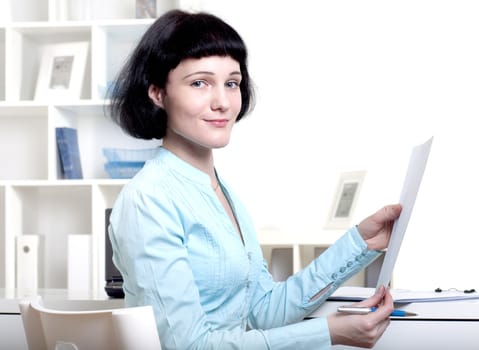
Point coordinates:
[(233, 84), (198, 83)]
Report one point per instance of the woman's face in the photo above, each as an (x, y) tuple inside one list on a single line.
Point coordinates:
[(202, 99)]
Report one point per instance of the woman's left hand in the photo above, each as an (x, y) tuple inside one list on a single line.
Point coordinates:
[(362, 330), (376, 229)]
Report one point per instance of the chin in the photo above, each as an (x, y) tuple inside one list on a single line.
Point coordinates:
[(220, 143), (219, 147)]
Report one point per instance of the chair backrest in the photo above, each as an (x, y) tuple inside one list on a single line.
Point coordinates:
[(117, 329)]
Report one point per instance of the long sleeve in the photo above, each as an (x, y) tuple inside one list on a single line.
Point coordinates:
[(306, 290), (290, 301)]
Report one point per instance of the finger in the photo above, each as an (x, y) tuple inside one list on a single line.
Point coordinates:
[(373, 300), (391, 212), (384, 309), (387, 214), (378, 220)]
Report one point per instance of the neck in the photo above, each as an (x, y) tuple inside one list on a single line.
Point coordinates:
[(199, 157)]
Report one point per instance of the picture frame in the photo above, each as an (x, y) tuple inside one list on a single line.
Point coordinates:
[(345, 199), (153, 8), (62, 71), (146, 8)]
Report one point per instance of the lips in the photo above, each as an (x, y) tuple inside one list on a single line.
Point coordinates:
[(218, 122)]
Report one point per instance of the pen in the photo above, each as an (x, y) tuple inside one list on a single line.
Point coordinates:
[(362, 310)]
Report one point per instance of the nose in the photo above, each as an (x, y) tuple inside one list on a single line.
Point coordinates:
[(220, 99)]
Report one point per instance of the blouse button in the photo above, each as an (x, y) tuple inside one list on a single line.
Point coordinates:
[(334, 276), (349, 264)]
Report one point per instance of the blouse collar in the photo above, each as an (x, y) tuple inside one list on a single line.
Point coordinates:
[(182, 167)]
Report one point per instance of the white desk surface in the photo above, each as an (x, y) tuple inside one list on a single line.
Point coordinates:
[(445, 325)]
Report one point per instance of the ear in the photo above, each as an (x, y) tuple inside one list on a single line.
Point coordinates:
[(156, 95)]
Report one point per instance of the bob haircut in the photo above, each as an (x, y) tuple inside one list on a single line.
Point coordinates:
[(172, 38)]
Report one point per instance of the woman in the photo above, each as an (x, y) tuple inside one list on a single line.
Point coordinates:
[(182, 239)]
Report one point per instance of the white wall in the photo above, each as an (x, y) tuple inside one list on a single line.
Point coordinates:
[(352, 85)]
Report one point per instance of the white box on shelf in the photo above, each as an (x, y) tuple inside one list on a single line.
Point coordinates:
[(28, 262), (79, 263)]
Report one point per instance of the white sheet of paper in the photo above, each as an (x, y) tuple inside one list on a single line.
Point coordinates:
[(417, 165), (402, 296)]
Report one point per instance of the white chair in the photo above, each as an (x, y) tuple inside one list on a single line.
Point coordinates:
[(117, 329)]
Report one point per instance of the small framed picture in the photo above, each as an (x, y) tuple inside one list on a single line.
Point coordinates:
[(345, 198), (146, 8), (62, 71), (153, 8)]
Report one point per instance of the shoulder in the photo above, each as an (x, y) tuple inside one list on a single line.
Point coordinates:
[(145, 206), (150, 184)]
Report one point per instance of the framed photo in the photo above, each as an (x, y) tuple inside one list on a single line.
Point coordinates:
[(345, 198), (62, 71), (146, 8), (153, 8)]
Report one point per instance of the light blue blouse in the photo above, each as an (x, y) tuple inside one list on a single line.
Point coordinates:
[(179, 252)]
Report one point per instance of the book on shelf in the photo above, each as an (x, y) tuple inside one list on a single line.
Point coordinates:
[(69, 152)]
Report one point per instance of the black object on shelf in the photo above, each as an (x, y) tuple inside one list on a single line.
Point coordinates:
[(113, 277)]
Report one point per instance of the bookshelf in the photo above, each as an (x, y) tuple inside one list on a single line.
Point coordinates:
[(34, 199)]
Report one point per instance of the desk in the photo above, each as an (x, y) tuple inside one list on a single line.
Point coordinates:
[(447, 325), (12, 334), (439, 326)]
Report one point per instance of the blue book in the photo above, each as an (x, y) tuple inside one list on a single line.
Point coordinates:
[(69, 152)]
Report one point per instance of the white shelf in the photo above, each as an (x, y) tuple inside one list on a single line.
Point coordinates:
[(53, 210)]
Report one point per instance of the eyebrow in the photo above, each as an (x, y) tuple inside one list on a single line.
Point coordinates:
[(208, 73)]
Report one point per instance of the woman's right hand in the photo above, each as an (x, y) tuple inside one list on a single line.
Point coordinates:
[(362, 330)]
